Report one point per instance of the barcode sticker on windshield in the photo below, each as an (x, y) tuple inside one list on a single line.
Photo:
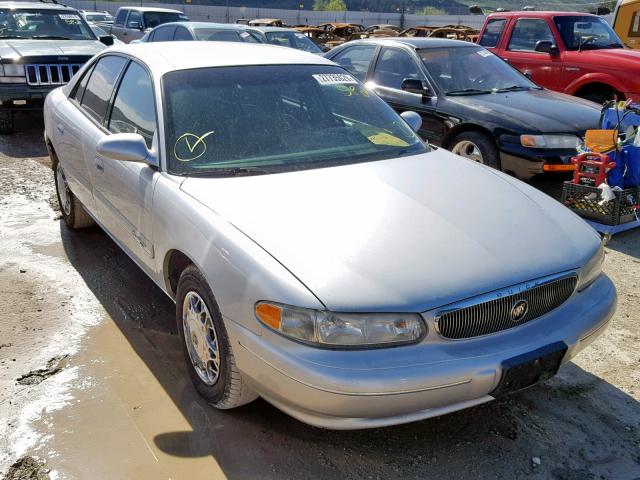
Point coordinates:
[(67, 16), (484, 53), (334, 78)]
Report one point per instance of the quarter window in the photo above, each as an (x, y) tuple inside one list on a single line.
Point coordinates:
[(356, 60), (100, 86), (393, 66), (182, 34), (527, 33), (121, 17), (77, 95), (492, 32), (134, 108), (164, 34)]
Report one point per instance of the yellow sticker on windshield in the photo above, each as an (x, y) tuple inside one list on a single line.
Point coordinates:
[(189, 147), (383, 138)]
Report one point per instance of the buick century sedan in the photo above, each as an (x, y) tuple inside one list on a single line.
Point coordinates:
[(320, 255)]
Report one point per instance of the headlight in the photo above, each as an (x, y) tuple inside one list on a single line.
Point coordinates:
[(588, 274), (342, 329), (549, 141)]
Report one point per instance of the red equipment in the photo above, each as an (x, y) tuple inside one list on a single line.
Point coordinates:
[(592, 168)]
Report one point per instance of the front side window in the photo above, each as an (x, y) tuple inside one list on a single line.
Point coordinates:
[(356, 60), (121, 17), (164, 34), (133, 108), (43, 24), (182, 34), (586, 33), (393, 66), (277, 118), (471, 70), (528, 32), (134, 20), (153, 19), (293, 40), (224, 35), (100, 86), (492, 32)]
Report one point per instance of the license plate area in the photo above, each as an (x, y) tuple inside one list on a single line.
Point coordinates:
[(530, 368)]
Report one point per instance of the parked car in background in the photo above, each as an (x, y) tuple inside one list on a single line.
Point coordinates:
[(98, 18), (285, 37), (473, 103), (626, 22), (266, 22), (204, 31), (257, 209), (42, 45), (99, 32), (131, 23), (574, 53)]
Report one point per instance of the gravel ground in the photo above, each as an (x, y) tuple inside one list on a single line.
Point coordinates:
[(92, 383)]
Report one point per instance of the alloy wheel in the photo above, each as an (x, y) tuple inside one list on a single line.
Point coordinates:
[(200, 338), (469, 150)]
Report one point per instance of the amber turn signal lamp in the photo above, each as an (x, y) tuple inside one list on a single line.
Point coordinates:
[(270, 315)]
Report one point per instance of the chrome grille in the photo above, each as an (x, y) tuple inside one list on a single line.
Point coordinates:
[(495, 315), (51, 73)]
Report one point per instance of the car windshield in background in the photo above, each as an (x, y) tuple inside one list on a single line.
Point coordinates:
[(222, 35), (267, 119), (98, 17), (471, 71), (43, 24), (582, 33), (153, 19), (293, 40)]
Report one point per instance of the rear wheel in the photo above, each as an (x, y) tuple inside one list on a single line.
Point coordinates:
[(206, 346), (6, 121), (478, 147), (73, 213)]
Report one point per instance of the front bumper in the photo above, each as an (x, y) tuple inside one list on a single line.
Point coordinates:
[(525, 163), (341, 389), (23, 96)]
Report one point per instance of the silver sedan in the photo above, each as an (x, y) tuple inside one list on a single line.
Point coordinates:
[(320, 255)]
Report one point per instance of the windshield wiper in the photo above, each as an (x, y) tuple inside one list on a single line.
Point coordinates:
[(469, 91), (50, 37), (512, 88), (227, 172), (3, 37)]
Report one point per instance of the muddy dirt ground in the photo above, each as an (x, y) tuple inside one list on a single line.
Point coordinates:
[(92, 382)]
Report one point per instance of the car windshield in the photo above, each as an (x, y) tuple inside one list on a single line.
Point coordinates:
[(44, 24), (471, 71), (267, 119), (98, 17), (153, 19), (586, 32), (224, 35), (294, 40)]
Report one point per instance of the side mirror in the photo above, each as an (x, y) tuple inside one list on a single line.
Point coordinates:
[(127, 147), (528, 75), (413, 119), (545, 46), (413, 85), (106, 39)]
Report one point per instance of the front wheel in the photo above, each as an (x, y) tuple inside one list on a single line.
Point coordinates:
[(478, 147), (206, 346), (73, 213)]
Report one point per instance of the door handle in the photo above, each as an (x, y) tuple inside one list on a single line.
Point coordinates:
[(60, 128), (99, 165)]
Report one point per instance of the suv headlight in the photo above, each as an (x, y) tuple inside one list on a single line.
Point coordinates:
[(588, 274), (331, 329), (12, 73), (549, 141)]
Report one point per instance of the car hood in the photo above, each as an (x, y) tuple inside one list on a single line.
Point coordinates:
[(407, 234), (616, 58), (16, 49), (533, 110)]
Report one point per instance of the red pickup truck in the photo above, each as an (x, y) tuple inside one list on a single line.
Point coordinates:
[(574, 53)]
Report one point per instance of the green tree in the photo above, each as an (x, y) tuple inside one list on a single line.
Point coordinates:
[(329, 5)]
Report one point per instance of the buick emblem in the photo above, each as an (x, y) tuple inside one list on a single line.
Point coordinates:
[(519, 310)]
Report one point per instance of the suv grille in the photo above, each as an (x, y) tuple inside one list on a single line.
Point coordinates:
[(51, 73), (496, 315)]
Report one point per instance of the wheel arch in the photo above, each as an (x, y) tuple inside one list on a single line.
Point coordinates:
[(175, 262), (463, 128)]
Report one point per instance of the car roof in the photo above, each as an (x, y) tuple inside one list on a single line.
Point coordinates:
[(35, 6), (265, 29), (415, 42), (196, 25), (152, 9), (162, 57), (541, 14)]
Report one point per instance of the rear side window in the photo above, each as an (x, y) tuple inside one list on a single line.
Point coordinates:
[(492, 32), (528, 32), (134, 108), (121, 17), (77, 95), (182, 34), (164, 34), (100, 86), (356, 60)]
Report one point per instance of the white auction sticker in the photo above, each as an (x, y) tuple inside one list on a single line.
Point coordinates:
[(484, 53), (66, 16), (334, 79)]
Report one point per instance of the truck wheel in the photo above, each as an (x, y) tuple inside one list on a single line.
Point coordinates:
[(478, 147), (73, 213), (598, 97), (206, 346), (6, 121)]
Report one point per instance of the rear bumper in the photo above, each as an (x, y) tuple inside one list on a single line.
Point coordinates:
[(23, 97), (375, 388)]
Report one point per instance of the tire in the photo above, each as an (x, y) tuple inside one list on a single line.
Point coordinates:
[(6, 121), (222, 386), (597, 97), (478, 147), (73, 212)]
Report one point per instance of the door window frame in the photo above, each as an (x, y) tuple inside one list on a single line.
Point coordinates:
[(421, 70), (513, 29), (376, 51), (505, 28)]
